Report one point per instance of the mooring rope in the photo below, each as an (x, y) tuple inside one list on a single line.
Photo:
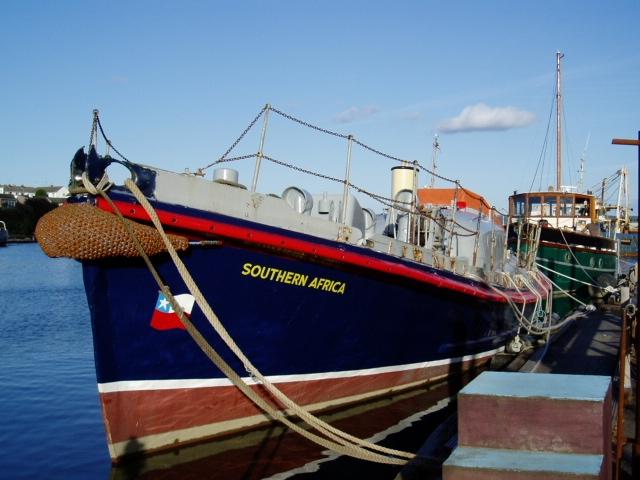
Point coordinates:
[(567, 276), (320, 425), (523, 321), (340, 442), (213, 319), (532, 326), (565, 292), (574, 257)]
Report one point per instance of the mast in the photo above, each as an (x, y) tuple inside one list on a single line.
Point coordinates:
[(559, 55), (434, 159)]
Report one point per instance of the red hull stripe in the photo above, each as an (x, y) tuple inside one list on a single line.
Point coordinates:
[(140, 413), (334, 254)]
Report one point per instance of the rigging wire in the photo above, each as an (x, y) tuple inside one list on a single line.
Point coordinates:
[(569, 162), (391, 203), (609, 183), (543, 151)]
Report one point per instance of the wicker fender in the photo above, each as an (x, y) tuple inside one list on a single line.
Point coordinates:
[(85, 232)]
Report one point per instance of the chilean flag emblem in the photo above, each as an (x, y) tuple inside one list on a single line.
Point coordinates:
[(165, 318)]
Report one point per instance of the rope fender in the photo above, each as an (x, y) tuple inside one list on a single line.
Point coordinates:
[(84, 232)]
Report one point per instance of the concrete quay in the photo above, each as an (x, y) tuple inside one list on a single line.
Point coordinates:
[(588, 347)]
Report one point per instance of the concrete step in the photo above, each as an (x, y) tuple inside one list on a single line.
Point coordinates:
[(469, 463), (536, 412)]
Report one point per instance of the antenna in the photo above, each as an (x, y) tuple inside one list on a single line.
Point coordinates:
[(582, 161), (434, 160)]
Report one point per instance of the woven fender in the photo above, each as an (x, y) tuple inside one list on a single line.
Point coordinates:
[(85, 232)]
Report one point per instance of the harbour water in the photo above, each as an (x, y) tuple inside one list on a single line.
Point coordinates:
[(51, 423), (51, 420)]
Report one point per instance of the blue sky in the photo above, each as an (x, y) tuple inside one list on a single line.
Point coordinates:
[(177, 82)]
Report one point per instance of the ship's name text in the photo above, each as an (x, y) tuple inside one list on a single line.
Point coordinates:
[(273, 274)]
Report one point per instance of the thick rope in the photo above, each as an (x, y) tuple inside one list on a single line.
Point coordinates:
[(348, 444), (343, 447), (574, 257), (529, 325), (567, 276), (545, 286), (560, 289), (557, 326), (104, 181), (103, 185)]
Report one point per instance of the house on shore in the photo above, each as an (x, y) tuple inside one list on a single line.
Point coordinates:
[(10, 195)]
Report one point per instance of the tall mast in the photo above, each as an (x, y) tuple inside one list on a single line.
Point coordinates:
[(559, 55)]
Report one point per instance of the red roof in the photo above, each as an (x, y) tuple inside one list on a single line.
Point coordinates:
[(446, 196)]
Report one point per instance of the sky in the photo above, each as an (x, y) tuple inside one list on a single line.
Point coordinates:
[(177, 82)]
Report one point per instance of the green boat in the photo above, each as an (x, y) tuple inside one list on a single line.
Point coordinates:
[(570, 245), (568, 234)]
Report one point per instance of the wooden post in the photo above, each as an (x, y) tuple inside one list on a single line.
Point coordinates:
[(620, 436), (636, 440)]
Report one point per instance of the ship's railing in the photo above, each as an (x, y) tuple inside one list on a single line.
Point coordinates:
[(419, 218), (426, 227)]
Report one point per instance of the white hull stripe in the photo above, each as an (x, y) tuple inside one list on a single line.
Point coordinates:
[(136, 385)]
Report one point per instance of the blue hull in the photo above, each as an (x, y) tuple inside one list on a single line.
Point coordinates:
[(329, 323), (283, 328)]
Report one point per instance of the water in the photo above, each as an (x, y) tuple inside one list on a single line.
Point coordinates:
[(51, 424), (51, 420)]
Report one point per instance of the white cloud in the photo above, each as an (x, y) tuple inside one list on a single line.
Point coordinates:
[(356, 113), (483, 117)]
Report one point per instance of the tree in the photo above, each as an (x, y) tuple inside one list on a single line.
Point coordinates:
[(41, 193), (21, 220)]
